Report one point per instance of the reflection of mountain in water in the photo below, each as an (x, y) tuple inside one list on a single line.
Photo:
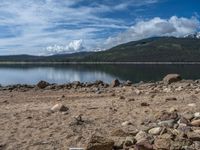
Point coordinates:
[(31, 74)]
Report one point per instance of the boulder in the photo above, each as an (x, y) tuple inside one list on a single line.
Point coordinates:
[(115, 83), (42, 84), (170, 78), (59, 107), (100, 143)]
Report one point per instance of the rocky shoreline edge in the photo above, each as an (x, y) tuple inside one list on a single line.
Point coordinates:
[(76, 84)]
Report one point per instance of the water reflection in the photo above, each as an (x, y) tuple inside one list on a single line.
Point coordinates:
[(31, 74)]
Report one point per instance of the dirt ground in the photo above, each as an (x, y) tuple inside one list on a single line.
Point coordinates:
[(26, 122)]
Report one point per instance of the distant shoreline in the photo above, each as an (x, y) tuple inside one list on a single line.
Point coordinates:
[(134, 63)]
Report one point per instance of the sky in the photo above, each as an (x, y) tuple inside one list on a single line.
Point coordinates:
[(46, 27)]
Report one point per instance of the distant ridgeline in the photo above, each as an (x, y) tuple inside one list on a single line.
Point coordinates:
[(157, 49)]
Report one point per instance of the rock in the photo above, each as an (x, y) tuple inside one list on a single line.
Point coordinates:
[(188, 116), (170, 78), (155, 131), (183, 120), (196, 123), (167, 123), (192, 105), (115, 83), (121, 97), (167, 116), (119, 132), (170, 99), (138, 92), (193, 136), (126, 123), (100, 143), (42, 84), (128, 83), (162, 143), (180, 144), (59, 107), (196, 144), (197, 115), (143, 145), (141, 136), (119, 143), (144, 104), (129, 141)]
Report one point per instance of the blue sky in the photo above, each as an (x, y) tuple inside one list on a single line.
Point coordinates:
[(42, 27)]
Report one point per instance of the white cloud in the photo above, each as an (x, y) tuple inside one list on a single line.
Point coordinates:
[(174, 26), (72, 47)]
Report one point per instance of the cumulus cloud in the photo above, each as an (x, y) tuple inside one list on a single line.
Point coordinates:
[(72, 47), (174, 26)]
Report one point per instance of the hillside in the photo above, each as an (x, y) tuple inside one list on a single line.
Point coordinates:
[(157, 49), (160, 49)]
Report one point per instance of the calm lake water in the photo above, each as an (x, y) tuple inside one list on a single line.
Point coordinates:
[(31, 74)]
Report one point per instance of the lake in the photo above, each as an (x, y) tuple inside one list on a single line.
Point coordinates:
[(31, 74)]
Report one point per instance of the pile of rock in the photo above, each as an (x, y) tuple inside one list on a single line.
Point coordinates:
[(169, 130)]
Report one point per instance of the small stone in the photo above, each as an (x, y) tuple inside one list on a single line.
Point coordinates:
[(121, 97), (100, 143), (170, 99), (144, 104), (167, 115), (163, 144), (193, 136), (155, 131), (129, 141), (126, 123), (138, 92), (197, 115), (188, 116), (59, 107), (115, 83), (167, 123), (196, 123), (170, 78), (42, 84), (119, 143), (143, 145), (192, 105), (119, 132), (183, 120), (140, 136)]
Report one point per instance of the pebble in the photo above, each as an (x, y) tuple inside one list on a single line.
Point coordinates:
[(192, 105), (155, 131), (196, 123), (167, 123), (129, 141), (140, 136), (126, 123), (59, 107), (197, 115)]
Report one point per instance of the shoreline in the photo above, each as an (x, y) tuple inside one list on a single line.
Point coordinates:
[(90, 63)]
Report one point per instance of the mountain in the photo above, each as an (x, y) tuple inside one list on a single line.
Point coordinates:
[(52, 58), (157, 49), (194, 35)]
